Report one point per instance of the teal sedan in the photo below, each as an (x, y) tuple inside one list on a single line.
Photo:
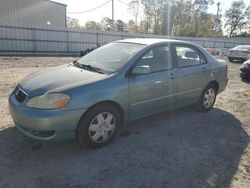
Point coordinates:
[(91, 98)]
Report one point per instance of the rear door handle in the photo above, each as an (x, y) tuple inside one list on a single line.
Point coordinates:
[(172, 76), (204, 69)]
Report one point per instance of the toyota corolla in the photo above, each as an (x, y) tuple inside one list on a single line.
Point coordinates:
[(92, 97)]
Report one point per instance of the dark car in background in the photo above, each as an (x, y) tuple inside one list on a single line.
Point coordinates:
[(245, 70), (241, 53)]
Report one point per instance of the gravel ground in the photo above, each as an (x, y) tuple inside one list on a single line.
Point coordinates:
[(180, 148)]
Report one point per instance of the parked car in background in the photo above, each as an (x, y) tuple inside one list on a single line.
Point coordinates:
[(125, 80), (213, 51), (241, 53), (245, 70)]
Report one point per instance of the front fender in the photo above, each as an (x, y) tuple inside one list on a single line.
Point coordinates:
[(115, 90)]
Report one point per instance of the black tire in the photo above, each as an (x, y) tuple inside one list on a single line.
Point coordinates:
[(81, 53), (230, 59), (83, 132), (202, 101)]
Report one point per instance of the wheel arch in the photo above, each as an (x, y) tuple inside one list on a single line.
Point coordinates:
[(216, 84), (80, 131), (108, 102)]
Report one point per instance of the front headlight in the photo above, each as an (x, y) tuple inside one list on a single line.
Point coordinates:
[(49, 101)]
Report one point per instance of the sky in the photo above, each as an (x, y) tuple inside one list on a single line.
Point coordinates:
[(120, 9)]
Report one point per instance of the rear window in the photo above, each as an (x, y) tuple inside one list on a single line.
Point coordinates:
[(188, 56), (242, 48)]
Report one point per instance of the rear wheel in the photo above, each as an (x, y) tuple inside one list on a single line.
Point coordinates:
[(99, 126), (208, 98)]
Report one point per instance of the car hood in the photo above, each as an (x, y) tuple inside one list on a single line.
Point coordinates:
[(245, 65), (57, 79), (247, 62)]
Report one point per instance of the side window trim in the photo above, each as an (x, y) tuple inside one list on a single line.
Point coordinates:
[(203, 56), (151, 48), (189, 46)]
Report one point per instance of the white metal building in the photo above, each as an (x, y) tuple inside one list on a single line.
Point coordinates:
[(34, 13)]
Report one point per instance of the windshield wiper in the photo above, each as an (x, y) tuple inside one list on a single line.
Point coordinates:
[(87, 67), (77, 64), (95, 69)]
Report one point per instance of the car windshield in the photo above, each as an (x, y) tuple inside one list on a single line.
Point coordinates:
[(111, 57)]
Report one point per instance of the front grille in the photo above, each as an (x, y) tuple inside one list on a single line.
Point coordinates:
[(20, 95)]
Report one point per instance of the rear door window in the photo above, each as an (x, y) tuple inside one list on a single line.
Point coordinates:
[(187, 56)]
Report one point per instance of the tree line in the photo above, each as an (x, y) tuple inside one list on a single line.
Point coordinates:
[(178, 18)]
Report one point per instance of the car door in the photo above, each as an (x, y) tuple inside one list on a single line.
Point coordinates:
[(153, 92), (193, 72)]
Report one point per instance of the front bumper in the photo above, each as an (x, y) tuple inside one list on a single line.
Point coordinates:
[(44, 124)]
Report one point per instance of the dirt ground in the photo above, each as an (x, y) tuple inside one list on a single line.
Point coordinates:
[(180, 148)]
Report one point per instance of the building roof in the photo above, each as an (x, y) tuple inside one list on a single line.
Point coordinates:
[(57, 3)]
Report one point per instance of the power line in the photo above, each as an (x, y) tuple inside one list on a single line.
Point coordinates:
[(122, 2), (91, 9)]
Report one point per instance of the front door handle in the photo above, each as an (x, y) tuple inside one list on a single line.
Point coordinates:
[(204, 69)]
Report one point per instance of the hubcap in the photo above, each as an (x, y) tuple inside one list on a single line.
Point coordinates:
[(209, 98), (102, 127)]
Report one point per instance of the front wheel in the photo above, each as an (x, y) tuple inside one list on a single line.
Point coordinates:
[(99, 126), (208, 98)]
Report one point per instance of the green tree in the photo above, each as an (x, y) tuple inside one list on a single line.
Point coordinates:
[(153, 14), (93, 25), (178, 17), (73, 23), (107, 24), (143, 26), (200, 15), (235, 18), (134, 8), (130, 26), (248, 19), (119, 25), (183, 16)]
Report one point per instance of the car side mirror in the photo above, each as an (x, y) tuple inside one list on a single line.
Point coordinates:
[(140, 70)]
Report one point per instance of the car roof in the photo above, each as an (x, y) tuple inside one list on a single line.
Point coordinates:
[(149, 41), (242, 46)]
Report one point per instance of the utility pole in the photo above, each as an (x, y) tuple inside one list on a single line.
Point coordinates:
[(218, 17), (218, 9), (113, 21), (113, 10)]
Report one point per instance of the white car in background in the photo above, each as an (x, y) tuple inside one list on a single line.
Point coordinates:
[(241, 52)]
